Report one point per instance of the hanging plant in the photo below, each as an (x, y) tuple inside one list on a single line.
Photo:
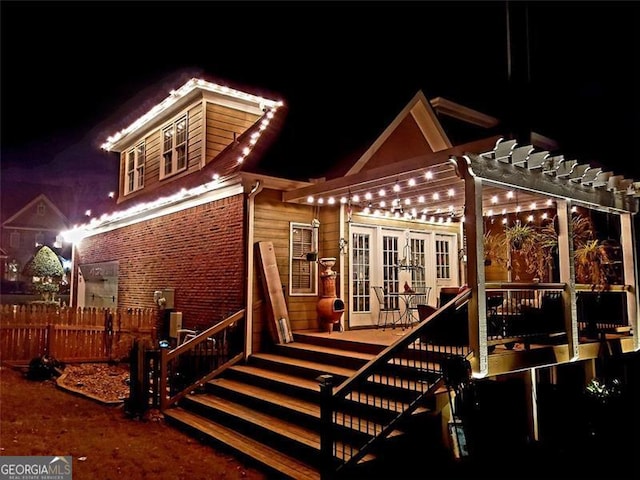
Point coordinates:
[(495, 248), (519, 236)]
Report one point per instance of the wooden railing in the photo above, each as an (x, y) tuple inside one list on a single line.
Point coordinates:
[(71, 334), (348, 434), (198, 360), (601, 312), (524, 311)]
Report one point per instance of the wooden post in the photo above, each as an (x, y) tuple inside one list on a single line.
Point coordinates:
[(50, 333), (326, 427)]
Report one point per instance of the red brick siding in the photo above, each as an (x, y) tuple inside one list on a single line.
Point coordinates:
[(199, 252)]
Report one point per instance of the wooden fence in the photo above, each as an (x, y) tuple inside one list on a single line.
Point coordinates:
[(71, 334)]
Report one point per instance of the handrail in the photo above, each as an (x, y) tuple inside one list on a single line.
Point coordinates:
[(409, 351), (199, 344)]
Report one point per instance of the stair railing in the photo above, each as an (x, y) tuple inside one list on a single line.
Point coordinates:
[(408, 365), (201, 358)]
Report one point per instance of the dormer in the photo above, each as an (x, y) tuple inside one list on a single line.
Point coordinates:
[(182, 134)]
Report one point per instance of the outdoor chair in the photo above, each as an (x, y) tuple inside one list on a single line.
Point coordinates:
[(417, 302), (386, 307)]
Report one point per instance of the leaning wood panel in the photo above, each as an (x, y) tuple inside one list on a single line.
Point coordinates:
[(278, 318)]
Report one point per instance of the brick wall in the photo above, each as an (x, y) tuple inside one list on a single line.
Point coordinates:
[(199, 252)]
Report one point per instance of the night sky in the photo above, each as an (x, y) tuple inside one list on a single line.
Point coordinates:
[(73, 72)]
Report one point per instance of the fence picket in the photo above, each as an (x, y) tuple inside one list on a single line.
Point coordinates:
[(70, 334)]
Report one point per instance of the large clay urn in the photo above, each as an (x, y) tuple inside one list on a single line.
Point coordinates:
[(329, 308)]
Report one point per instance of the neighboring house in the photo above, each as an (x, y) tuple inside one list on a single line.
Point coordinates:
[(28, 226)]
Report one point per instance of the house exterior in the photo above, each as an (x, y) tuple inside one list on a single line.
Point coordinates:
[(410, 208), (28, 226)]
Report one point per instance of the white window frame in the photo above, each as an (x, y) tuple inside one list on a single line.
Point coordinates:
[(443, 258), (134, 168), (298, 260), (173, 141)]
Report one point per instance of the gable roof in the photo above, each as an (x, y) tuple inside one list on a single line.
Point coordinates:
[(27, 217), (181, 97), (415, 130)]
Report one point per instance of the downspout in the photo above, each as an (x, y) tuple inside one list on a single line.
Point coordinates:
[(341, 274), (74, 277), (249, 270)]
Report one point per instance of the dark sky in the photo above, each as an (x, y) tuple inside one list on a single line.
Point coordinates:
[(71, 71)]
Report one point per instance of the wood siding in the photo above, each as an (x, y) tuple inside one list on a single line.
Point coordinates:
[(271, 223), (224, 124), (153, 150)]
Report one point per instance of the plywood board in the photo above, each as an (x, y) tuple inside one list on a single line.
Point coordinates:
[(278, 315)]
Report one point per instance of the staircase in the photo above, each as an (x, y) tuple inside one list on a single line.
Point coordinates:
[(267, 410)]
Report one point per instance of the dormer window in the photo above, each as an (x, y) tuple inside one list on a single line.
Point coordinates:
[(136, 158), (174, 147)]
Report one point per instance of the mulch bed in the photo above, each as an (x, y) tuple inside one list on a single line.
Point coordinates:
[(107, 383)]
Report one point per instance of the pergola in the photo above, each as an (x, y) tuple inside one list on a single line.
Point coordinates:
[(492, 176)]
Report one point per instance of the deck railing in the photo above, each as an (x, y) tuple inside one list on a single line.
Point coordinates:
[(601, 312), (524, 311), (410, 365), (198, 360)]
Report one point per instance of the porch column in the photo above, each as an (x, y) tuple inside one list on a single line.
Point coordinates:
[(531, 390), (630, 267), (568, 276), (473, 227)]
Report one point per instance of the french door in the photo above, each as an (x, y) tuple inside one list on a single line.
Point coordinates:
[(389, 258)]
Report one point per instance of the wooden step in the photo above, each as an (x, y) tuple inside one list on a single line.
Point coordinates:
[(281, 379), (325, 354), (230, 388), (272, 425), (245, 447), (270, 400), (276, 425), (311, 369), (336, 341)]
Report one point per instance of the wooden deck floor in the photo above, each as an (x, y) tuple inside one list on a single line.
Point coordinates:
[(376, 336)]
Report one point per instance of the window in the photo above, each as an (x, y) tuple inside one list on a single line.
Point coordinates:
[(14, 240), (136, 158), (443, 260), (303, 278), (12, 270), (39, 239), (174, 147), (418, 255), (361, 266), (42, 209)]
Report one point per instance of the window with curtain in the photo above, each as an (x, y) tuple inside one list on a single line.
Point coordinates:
[(302, 277)]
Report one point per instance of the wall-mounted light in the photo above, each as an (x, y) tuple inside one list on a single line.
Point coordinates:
[(342, 244)]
